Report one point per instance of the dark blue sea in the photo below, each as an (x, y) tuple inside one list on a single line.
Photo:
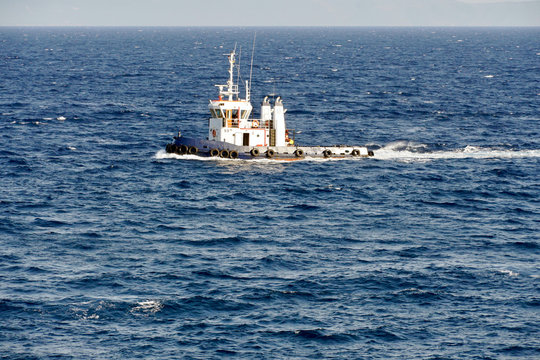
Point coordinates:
[(110, 248)]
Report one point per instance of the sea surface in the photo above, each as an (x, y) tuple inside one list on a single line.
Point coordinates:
[(110, 248)]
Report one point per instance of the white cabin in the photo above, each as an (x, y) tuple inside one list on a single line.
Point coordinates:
[(231, 119)]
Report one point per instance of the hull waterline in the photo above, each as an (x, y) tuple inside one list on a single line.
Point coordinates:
[(209, 148)]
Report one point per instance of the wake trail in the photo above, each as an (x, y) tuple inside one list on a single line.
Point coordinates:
[(410, 152), (391, 152)]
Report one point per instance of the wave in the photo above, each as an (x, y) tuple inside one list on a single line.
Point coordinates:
[(147, 307)]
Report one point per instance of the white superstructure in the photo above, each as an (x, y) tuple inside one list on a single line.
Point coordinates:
[(231, 119)]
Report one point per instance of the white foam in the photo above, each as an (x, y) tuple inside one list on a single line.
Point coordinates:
[(509, 273), (489, 76), (61, 118), (148, 306), (406, 151), (162, 154)]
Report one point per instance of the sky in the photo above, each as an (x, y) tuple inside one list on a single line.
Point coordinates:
[(270, 13)]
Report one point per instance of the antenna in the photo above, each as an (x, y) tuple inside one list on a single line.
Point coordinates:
[(238, 66), (251, 66)]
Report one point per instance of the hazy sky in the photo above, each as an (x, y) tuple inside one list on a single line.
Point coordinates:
[(270, 12)]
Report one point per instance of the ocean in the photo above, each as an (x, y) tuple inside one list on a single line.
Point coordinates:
[(110, 248)]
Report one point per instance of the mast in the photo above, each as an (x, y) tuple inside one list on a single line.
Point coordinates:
[(238, 66), (232, 88), (230, 83)]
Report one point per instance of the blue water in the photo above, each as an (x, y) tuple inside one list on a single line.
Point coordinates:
[(112, 249)]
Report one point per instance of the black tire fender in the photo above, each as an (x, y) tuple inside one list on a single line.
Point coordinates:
[(178, 149)]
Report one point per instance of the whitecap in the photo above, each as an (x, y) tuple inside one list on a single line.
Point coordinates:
[(61, 118), (470, 148), (489, 76), (509, 273), (147, 306)]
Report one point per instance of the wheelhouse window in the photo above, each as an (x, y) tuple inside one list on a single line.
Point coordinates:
[(216, 113)]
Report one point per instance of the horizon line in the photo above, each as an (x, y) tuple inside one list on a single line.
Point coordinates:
[(269, 26)]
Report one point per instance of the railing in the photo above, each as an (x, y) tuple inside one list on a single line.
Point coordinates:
[(234, 123)]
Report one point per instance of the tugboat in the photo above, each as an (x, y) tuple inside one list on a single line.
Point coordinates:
[(233, 133)]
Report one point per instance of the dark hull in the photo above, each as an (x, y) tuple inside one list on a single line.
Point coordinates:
[(183, 145)]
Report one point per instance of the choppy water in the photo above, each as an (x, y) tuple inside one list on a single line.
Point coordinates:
[(111, 248)]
